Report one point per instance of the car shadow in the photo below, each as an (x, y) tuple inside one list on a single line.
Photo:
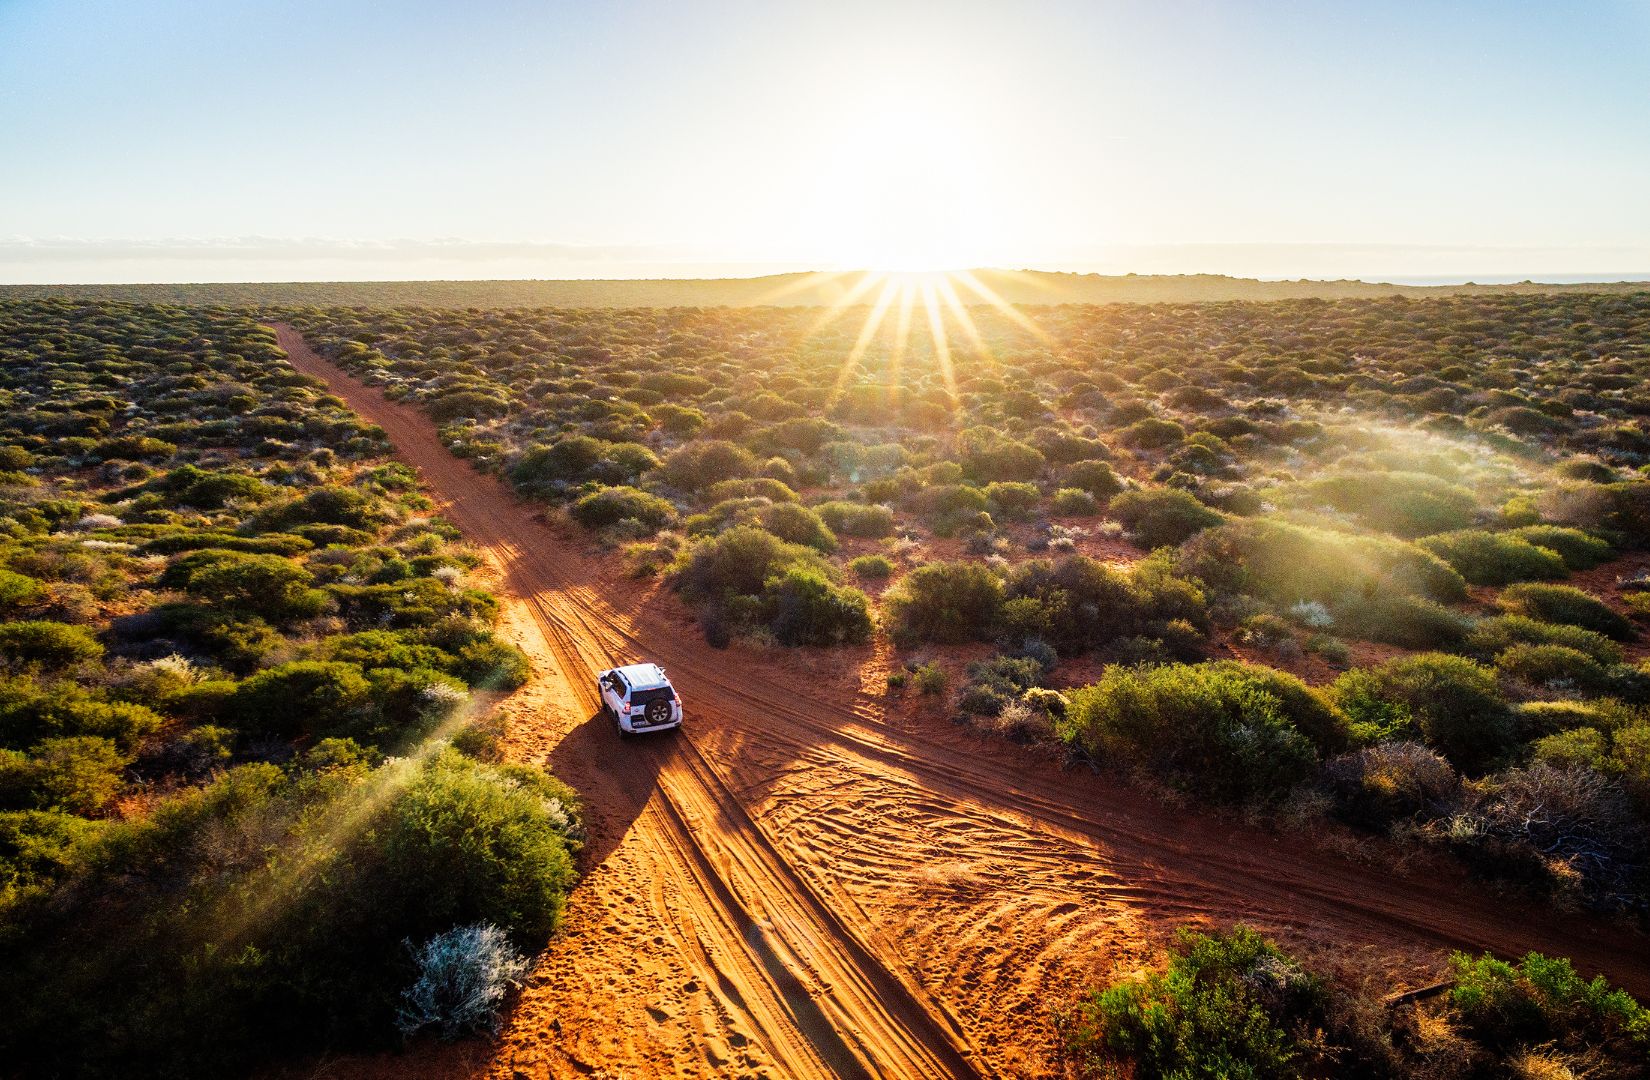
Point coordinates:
[(615, 777)]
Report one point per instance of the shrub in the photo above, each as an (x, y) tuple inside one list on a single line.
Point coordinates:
[(324, 505), (18, 591), (1412, 622), (797, 525), (607, 507), (40, 643), (1555, 826), (320, 697), (1078, 603), (1579, 550), (750, 487), (490, 664), (950, 507), (1074, 502), (931, 679), (463, 975), (1012, 500), (77, 773), (1162, 517), (319, 912), (697, 465), (1286, 563), (1229, 1005), (1407, 504), (857, 519), (1553, 666), (738, 562), (986, 455), (1151, 433), (946, 601), (1379, 786), (1540, 1000), (1486, 558), (803, 607), (1097, 478), (1451, 702), (1229, 731), (872, 567), (1490, 637), (1567, 605), (268, 585)]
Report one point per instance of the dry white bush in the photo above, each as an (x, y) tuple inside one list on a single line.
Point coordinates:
[(463, 976)]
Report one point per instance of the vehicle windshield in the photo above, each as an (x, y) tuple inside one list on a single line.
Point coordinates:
[(643, 697)]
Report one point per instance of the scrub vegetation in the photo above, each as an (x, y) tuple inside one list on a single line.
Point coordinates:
[(1233, 1004), (245, 806), (1351, 557)]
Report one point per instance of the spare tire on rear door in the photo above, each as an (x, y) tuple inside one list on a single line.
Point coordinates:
[(658, 711)]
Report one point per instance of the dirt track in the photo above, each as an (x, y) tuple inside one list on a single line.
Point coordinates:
[(807, 883)]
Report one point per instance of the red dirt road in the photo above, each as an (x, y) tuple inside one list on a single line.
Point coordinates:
[(805, 882)]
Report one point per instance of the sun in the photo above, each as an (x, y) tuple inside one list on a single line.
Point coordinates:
[(901, 185)]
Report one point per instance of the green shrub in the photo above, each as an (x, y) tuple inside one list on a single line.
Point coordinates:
[(1407, 504), (1450, 702), (985, 455), (1074, 502), (1012, 500), (266, 585), (77, 773), (1229, 1005), (1412, 622), (1567, 605), (317, 913), (18, 591), (1151, 433), (1578, 748), (947, 602), (1162, 517), (1490, 637), (797, 524), (41, 643), (490, 664), (1541, 1000), (931, 679), (1287, 563), (1097, 478), (1579, 550), (695, 466), (857, 519), (318, 697), (750, 487), (1228, 731), (608, 507), (1079, 603), (1553, 666), (804, 607), (39, 847), (324, 505), (950, 507), (872, 567), (1486, 558)]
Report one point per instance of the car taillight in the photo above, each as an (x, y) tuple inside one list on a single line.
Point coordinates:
[(624, 708)]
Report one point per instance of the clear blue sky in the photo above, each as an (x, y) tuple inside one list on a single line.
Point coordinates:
[(184, 140)]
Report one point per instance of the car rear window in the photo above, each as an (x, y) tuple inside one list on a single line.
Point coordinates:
[(661, 693)]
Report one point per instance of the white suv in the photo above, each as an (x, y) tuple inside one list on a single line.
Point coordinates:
[(639, 698)]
